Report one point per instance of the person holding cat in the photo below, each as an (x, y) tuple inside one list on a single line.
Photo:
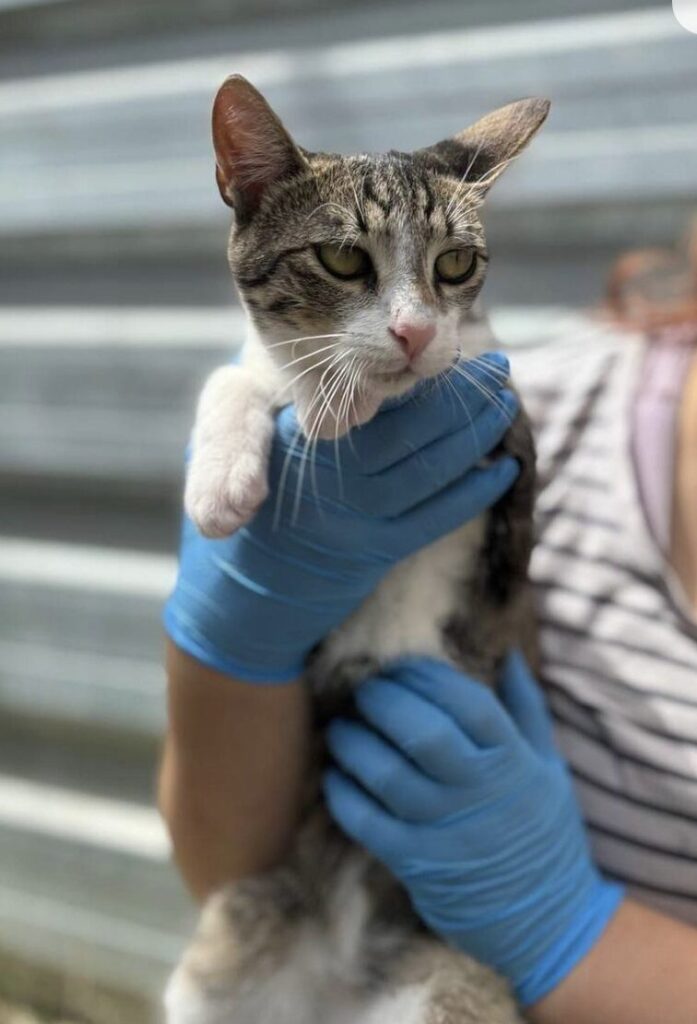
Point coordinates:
[(465, 798), (463, 793)]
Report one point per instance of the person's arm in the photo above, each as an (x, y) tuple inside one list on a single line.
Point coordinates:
[(233, 769), (643, 970)]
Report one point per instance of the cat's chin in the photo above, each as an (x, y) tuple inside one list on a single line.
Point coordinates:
[(362, 411), (363, 406)]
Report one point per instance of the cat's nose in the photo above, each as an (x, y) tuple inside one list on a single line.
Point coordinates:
[(412, 337)]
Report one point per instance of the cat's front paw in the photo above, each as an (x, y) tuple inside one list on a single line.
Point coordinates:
[(223, 491)]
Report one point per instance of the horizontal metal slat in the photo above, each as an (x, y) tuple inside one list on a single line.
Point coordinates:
[(87, 887), (95, 147), (121, 406)]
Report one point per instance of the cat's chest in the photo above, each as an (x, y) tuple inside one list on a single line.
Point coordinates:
[(408, 611)]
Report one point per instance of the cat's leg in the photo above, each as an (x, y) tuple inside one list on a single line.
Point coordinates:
[(433, 984), (227, 474), (241, 966), (273, 950)]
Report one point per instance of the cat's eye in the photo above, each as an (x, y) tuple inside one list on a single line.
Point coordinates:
[(344, 262), (456, 266)]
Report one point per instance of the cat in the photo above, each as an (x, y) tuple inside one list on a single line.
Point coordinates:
[(329, 937)]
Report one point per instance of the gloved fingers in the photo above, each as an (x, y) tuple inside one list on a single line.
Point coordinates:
[(435, 437), (474, 706), (431, 469), (432, 412), (363, 819), (388, 776), (429, 736), (523, 699), (457, 504)]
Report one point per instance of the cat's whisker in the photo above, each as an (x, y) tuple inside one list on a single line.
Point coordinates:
[(478, 188), (326, 407), (301, 473), (290, 455), (463, 179), (357, 390), (294, 380), (467, 203), (493, 172), (316, 426), (333, 205), (493, 373), (327, 401), (282, 479), (456, 394), (314, 437), (309, 355), (313, 452), (337, 449), (306, 337), (359, 207), (463, 371), (445, 375), (351, 409), (349, 237), (499, 377), (337, 453), (315, 399), (339, 417), (463, 211), (342, 410), (355, 384), (491, 396)]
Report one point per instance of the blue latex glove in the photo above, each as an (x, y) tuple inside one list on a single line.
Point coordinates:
[(473, 810), (253, 605)]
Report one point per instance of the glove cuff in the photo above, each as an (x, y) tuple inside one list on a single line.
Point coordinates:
[(574, 944), (223, 663)]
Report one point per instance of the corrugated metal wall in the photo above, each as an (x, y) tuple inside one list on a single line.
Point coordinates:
[(115, 301)]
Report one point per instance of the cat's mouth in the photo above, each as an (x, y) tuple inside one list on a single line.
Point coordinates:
[(403, 376), (351, 406)]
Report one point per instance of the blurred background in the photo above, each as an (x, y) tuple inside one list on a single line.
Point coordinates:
[(115, 302)]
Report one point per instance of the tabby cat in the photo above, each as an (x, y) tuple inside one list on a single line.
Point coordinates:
[(325, 245)]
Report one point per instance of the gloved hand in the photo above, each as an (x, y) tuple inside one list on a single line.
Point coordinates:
[(253, 605), (467, 802)]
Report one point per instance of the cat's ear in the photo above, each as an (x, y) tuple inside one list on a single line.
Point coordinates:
[(252, 148), (483, 151)]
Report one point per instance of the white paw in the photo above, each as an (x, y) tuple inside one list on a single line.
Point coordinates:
[(184, 1004), (224, 491)]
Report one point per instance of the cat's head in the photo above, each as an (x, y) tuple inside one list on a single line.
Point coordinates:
[(359, 273)]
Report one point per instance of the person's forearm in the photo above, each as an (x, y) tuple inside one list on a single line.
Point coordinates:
[(643, 970), (233, 772)]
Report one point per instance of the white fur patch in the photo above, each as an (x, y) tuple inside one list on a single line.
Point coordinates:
[(293, 996), (407, 612), (406, 1005), (321, 981)]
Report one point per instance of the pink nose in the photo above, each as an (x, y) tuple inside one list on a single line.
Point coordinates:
[(413, 337)]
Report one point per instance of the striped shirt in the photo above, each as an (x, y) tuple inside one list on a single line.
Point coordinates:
[(618, 644)]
